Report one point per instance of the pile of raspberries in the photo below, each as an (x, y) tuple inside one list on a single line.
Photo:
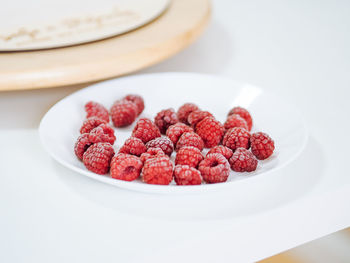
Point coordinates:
[(188, 131)]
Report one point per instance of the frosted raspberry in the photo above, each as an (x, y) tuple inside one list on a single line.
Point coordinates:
[(214, 168), (152, 153), (244, 114), (145, 130), (235, 120), (95, 109), (163, 143), (236, 137), (196, 116), (189, 155), (185, 110), (243, 161), (211, 131), (126, 167), (190, 139), (133, 146), (91, 123), (102, 133), (164, 119), (262, 145), (123, 113), (98, 156), (225, 151), (81, 145), (186, 175), (157, 170), (138, 100), (175, 131)]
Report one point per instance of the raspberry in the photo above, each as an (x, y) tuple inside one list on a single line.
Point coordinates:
[(185, 110), (225, 151), (235, 120), (81, 145), (262, 145), (133, 146), (211, 131), (138, 100), (163, 143), (196, 116), (214, 168), (158, 170), (175, 131), (236, 137), (123, 113), (91, 123), (164, 119), (102, 133), (126, 167), (243, 161), (97, 157), (244, 114), (152, 153), (186, 175), (189, 155), (190, 139), (145, 130), (95, 109)]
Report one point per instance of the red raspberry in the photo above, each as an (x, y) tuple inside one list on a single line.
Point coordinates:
[(175, 131), (158, 170), (243, 161), (164, 119), (235, 120), (133, 146), (91, 123), (190, 139), (244, 114), (98, 156), (189, 155), (214, 168), (196, 116), (138, 100), (81, 145), (123, 113), (262, 145), (152, 153), (236, 137), (185, 110), (126, 167), (211, 131), (186, 175), (163, 143), (102, 133), (145, 130), (225, 151), (95, 109)]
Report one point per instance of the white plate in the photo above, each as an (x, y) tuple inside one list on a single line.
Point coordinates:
[(38, 24), (60, 126)]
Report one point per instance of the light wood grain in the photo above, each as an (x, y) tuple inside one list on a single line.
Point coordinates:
[(281, 258), (179, 26)]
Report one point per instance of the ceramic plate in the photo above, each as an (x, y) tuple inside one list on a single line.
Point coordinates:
[(59, 128), (38, 24)]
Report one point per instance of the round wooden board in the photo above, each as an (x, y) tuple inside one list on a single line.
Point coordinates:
[(179, 26)]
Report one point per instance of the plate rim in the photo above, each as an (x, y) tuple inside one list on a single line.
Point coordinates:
[(169, 189)]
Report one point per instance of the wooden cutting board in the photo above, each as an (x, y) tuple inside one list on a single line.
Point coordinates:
[(176, 28)]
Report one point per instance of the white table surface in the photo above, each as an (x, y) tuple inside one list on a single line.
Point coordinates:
[(297, 49)]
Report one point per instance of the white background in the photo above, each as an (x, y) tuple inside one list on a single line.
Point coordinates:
[(297, 49)]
